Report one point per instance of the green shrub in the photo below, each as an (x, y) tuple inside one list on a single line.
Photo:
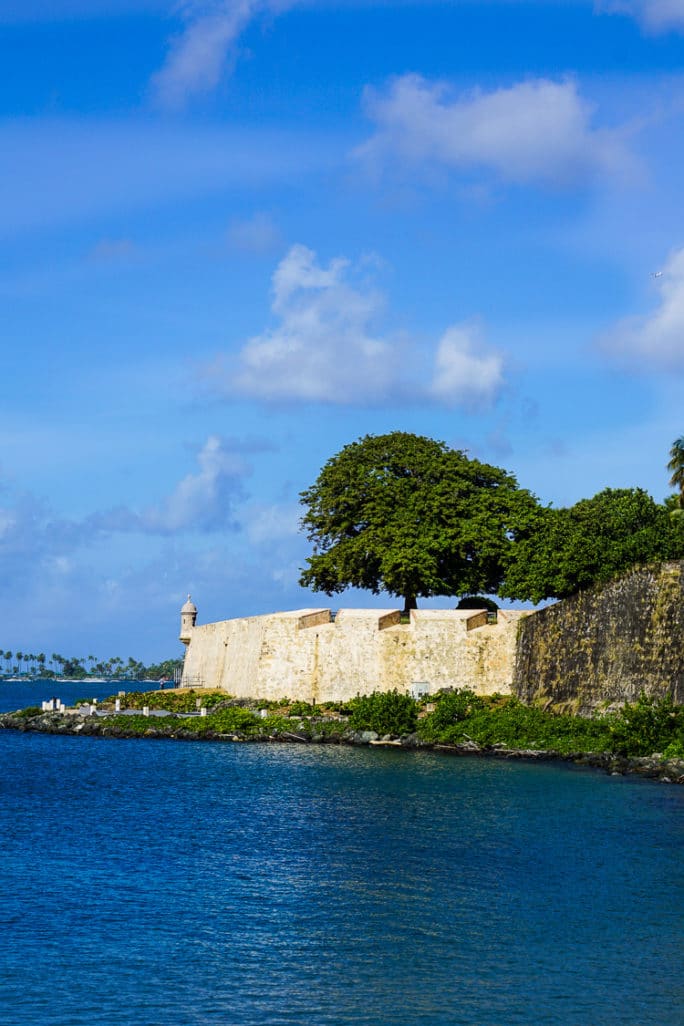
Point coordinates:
[(451, 708), (522, 726), (387, 712), (329, 728), (131, 724), (343, 708), (231, 720), (177, 702), (647, 725), (31, 710), (302, 709), (275, 724), (462, 716)]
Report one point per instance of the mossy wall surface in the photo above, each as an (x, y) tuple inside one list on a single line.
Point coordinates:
[(607, 644)]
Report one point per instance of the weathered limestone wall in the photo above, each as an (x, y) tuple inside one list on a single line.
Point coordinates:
[(599, 648), (607, 644), (306, 655)]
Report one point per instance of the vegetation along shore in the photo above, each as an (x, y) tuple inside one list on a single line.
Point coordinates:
[(645, 737)]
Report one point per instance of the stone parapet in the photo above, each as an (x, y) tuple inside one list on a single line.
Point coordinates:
[(307, 654)]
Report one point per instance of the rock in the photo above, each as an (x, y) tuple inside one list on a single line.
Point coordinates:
[(472, 746), (411, 741)]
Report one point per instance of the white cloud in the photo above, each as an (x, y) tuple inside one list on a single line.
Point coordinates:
[(202, 53), (198, 57), (325, 347), (654, 15), (655, 341), (203, 500), (463, 374), (535, 131)]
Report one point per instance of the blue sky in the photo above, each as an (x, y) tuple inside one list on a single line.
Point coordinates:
[(239, 234)]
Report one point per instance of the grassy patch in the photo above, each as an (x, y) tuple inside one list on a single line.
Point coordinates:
[(29, 711), (176, 702)]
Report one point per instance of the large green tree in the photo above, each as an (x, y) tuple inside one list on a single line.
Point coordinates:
[(592, 541), (405, 514)]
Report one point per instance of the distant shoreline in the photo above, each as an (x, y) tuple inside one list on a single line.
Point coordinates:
[(79, 680)]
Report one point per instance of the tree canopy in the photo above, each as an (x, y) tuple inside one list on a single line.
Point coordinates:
[(592, 541), (408, 515)]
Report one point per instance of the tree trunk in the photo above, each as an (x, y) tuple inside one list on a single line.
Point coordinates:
[(409, 604)]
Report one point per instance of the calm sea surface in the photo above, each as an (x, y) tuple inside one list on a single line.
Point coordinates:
[(153, 883)]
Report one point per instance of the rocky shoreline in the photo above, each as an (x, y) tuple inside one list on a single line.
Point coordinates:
[(652, 767)]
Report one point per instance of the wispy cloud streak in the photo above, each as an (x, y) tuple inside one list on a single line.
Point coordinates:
[(655, 341), (204, 51), (536, 131), (654, 15)]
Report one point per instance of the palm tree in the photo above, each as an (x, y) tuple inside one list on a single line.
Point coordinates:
[(676, 467)]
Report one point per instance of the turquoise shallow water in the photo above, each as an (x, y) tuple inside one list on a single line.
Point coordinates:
[(152, 882)]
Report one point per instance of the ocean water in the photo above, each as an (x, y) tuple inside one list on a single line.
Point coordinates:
[(156, 882)]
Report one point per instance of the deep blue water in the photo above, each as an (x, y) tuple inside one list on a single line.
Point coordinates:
[(32, 692), (153, 882)]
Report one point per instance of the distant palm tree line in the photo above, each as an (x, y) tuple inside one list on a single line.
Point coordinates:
[(31, 665)]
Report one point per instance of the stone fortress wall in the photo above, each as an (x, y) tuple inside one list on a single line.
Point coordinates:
[(309, 655), (607, 644), (598, 649)]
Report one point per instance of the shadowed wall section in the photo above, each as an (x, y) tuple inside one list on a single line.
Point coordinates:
[(605, 645)]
